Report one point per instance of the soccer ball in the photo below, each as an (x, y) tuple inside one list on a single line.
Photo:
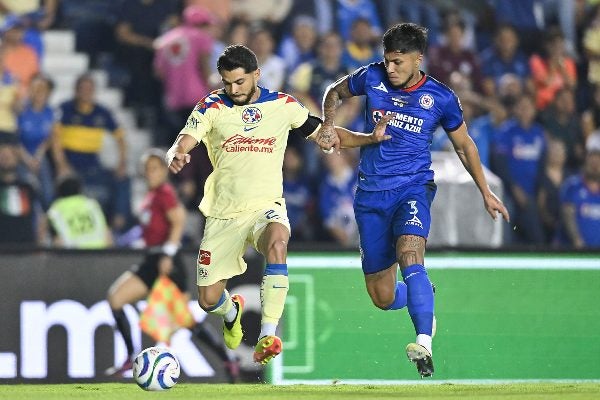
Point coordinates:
[(156, 368)]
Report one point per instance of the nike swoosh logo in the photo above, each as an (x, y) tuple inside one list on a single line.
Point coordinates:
[(279, 287), (249, 128)]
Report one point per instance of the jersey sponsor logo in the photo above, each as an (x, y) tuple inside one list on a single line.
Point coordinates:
[(239, 143), (204, 257), (399, 102), (381, 87), (251, 115), (192, 122), (426, 101), (414, 221), (402, 121)]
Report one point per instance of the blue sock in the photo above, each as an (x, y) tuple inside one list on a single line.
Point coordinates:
[(420, 298), (276, 269), (399, 297)]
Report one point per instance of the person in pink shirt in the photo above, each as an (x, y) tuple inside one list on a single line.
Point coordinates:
[(182, 63)]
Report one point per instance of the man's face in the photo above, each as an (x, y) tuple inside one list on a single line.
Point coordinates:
[(401, 68), (239, 85)]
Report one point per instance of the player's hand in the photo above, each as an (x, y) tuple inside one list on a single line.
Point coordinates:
[(378, 134), (177, 161), (328, 139), (494, 205)]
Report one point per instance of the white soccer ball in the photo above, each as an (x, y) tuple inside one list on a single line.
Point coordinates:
[(156, 368)]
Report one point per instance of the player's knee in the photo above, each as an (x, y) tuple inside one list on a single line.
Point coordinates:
[(206, 305), (382, 301)]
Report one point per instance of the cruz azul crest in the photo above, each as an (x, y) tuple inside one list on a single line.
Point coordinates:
[(251, 115)]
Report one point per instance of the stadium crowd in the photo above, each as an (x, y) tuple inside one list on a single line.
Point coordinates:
[(527, 73)]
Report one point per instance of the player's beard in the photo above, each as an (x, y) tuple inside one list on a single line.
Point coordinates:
[(246, 99), (405, 83)]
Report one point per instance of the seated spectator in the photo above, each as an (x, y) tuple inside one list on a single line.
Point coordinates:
[(451, 57), (272, 67), (299, 46), (591, 46), (580, 204), (21, 215), (484, 130), (561, 122), (548, 193), (20, 59), (360, 48), (504, 58), (35, 122), (518, 155), (77, 142), (76, 220), (299, 197), (336, 196), (552, 69), (9, 97), (36, 16), (348, 11)]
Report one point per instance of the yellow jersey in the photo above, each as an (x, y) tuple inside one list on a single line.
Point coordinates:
[(245, 145)]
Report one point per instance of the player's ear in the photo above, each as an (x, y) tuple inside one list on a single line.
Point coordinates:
[(418, 60), (257, 74)]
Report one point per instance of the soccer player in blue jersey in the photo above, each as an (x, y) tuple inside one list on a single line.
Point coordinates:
[(396, 187)]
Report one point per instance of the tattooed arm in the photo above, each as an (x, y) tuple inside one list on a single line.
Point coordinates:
[(327, 136)]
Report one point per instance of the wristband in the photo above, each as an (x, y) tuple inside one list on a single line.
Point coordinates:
[(170, 249)]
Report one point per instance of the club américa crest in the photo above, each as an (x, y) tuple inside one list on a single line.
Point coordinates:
[(251, 115)]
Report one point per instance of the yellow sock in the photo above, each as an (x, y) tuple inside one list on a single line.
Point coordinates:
[(273, 292), (224, 305)]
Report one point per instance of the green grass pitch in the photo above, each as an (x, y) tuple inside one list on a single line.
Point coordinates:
[(126, 391)]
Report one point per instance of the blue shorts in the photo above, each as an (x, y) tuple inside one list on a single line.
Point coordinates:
[(385, 215)]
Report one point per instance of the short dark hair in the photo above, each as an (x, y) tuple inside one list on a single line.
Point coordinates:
[(405, 38), (237, 56), (68, 185)]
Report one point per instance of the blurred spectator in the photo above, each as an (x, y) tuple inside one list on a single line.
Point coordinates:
[(348, 11), (182, 62), (78, 140), (580, 204), (76, 220), (140, 22), (299, 46), (309, 81), (552, 69), (35, 122), (220, 10), (271, 11), (504, 58), (272, 67), (336, 196), (562, 13), (518, 150), (36, 16), (360, 49), (93, 22), (444, 59), (591, 46), (9, 97), (320, 10), (20, 59), (422, 12), (590, 118), (21, 216), (548, 194), (484, 130), (561, 122), (523, 16), (298, 195)]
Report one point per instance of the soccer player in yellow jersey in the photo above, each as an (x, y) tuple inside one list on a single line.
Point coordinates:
[(245, 128)]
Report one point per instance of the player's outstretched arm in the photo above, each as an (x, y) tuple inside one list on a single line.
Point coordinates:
[(469, 156), (177, 155), (327, 137), (349, 139)]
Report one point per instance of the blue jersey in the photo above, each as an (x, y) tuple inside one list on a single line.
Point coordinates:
[(420, 109), (587, 208)]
